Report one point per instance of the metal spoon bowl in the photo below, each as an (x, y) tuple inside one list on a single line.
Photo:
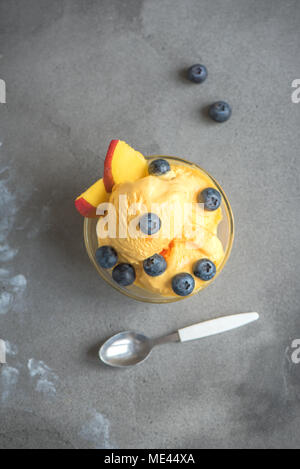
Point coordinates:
[(125, 349)]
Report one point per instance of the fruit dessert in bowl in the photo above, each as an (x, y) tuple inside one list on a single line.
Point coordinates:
[(158, 228)]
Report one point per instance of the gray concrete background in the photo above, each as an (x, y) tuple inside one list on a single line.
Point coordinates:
[(78, 74)]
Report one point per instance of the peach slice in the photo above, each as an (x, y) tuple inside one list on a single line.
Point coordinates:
[(88, 201), (123, 164)]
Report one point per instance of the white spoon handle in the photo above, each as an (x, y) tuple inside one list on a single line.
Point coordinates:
[(216, 326)]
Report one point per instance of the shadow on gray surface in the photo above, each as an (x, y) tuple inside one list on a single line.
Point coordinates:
[(26, 430)]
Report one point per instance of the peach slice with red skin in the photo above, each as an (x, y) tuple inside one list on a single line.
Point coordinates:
[(123, 164), (87, 203)]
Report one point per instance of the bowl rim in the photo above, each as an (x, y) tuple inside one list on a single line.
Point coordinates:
[(179, 298)]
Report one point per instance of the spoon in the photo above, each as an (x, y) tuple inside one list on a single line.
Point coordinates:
[(130, 348)]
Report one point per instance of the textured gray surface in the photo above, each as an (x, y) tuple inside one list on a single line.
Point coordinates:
[(79, 73)]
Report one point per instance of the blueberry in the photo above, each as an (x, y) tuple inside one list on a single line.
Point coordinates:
[(150, 223), (197, 73), (124, 274), (205, 269), (106, 257), (183, 284), (211, 198), (155, 265), (159, 167), (220, 111)]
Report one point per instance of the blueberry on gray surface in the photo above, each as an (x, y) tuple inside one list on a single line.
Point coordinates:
[(205, 269), (106, 257), (220, 111), (183, 284), (124, 274), (150, 223), (155, 265), (197, 73), (211, 198), (159, 167)]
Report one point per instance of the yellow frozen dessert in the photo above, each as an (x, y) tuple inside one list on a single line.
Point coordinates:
[(187, 233), (157, 222)]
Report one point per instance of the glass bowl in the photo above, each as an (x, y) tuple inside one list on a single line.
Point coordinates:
[(225, 233)]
